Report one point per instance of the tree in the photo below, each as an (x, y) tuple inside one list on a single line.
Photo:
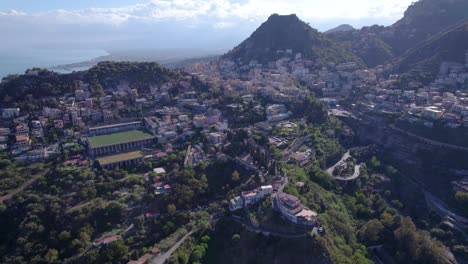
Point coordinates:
[(358, 258), (64, 236), (375, 163), (235, 176), (171, 209), (371, 231), (198, 253), (391, 170), (461, 198), (116, 250), (139, 222), (51, 256), (417, 246)]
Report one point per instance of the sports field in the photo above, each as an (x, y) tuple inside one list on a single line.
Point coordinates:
[(119, 157), (118, 138)]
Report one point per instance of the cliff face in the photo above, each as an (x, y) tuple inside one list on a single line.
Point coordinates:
[(424, 19), (450, 45), (427, 163), (408, 149)]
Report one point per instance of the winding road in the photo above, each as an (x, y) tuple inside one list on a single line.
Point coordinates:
[(341, 161), (357, 169)]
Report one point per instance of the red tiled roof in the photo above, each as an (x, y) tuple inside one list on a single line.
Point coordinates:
[(110, 239), (155, 250), (161, 154), (144, 258), (289, 200), (156, 179), (152, 215)]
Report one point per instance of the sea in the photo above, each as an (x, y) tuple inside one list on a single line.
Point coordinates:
[(18, 61)]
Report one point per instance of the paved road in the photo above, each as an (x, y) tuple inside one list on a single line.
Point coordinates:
[(341, 161), (23, 186), (356, 174), (429, 141), (161, 259), (357, 169), (444, 211)]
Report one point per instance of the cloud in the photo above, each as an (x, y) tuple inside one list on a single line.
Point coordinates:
[(221, 25), (171, 18), (157, 10)]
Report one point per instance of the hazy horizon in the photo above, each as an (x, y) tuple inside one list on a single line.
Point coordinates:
[(178, 24)]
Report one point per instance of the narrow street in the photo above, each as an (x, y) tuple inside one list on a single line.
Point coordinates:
[(161, 259), (23, 186)]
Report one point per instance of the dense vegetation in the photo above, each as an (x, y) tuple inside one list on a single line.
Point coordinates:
[(23, 90), (139, 75), (355, 216), (366, 45)]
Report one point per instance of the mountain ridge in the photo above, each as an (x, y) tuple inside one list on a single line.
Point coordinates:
[(340, 28), (422, 20), (287, 34)]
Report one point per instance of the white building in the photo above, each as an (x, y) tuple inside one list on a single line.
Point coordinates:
[(10, 113), (159, 171), (236, 203), (276, 112), (432, 112), (250, 197)]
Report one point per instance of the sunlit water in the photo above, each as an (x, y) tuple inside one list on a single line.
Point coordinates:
[(18, 61)]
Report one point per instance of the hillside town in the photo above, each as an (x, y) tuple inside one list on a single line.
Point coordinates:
[(367, 88), (127, 127), (306, 154)]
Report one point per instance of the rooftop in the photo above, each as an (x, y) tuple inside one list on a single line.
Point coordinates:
[(289, 200), (159, 171), (119, 158), (118, 138), (110, 239), (115, 125), (307, 214)]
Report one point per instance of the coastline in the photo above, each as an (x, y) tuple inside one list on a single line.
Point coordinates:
[(166, 58), (19, 61), (68, 61)]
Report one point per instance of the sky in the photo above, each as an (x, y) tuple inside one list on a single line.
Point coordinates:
[(172, 24)]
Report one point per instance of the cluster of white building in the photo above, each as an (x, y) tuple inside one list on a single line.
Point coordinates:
[(250, 197), (277, 112)]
